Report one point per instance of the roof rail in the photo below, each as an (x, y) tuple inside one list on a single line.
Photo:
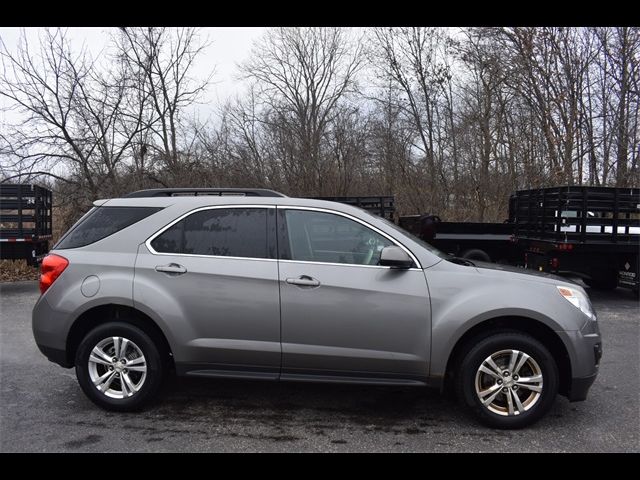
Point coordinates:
[(173, 192)]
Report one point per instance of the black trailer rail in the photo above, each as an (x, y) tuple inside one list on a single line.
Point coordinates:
[(590, 231), (588, 215), (25, 221), (383, 206)]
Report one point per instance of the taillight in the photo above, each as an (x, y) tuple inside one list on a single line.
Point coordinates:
[(51, 268)]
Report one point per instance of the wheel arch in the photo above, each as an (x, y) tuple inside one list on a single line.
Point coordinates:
[(535, 328), (101, 314)]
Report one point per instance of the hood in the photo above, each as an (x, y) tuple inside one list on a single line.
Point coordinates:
[(523, 274)]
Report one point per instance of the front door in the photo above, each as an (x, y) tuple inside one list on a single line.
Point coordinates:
[(343, 315), (212, 278)]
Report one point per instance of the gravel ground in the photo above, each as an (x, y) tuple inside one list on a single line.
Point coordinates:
[(42, 408)]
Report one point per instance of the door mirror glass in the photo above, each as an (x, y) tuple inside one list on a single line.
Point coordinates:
[(395, 257)]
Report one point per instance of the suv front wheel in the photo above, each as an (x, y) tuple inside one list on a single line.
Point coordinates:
[(509, 380), (119, 367)]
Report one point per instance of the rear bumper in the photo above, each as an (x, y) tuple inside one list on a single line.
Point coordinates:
[(56, 356), (49, 332), (580, 387)]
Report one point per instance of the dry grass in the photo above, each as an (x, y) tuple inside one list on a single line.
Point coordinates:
[(15, 270)]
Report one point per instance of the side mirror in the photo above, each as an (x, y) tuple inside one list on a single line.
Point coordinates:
[(395, 257)]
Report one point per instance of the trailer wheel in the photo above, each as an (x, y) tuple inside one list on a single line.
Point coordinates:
[(603, 280), (476, 254)]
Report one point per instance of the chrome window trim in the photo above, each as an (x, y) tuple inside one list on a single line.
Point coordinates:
[(362, 222), (383, 267), (196, 210), (284, 207)]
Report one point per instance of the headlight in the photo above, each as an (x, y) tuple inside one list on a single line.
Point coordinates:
[(578, 299)]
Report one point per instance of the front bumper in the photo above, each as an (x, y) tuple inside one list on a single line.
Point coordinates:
[(586, 364), (580, 387)]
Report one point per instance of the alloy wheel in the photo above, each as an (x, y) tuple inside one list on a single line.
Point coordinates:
[(117, 367), (509, 382)]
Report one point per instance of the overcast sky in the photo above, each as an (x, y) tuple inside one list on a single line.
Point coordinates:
[(230, 45)]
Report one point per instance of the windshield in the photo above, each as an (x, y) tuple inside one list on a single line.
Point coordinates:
[(419, 241)]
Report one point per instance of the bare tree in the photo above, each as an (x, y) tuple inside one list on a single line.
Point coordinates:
[(390, 146), (618, 62), (451, 122), (414, 60), (550, 68), (483, 106), (301, 75), (73, 114), (161, 60)]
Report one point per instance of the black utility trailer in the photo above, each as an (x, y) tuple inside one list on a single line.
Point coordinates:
[(25, 222), (590, 231), (487, 242), (475, 241)]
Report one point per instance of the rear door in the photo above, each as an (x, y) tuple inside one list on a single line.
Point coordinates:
[(211, 279), (343, 315)]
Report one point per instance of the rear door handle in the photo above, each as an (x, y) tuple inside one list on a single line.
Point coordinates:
[(171, 268), (303, 280)]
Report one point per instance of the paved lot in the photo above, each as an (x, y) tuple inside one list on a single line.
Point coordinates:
[(42, 408)]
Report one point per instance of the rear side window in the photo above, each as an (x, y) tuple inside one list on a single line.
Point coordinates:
[(102, 222), (227, 232)]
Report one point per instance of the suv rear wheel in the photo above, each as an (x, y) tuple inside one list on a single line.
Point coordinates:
[(119, 366), (508, 379)]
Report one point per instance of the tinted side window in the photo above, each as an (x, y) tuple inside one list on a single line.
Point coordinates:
[(325, 237), (101, 222), (228, 232)]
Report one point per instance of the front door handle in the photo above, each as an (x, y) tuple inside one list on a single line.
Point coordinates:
[(303, 280), (171, 268)]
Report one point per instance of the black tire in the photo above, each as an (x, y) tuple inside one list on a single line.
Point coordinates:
[(490, 345), (604, 280), (155, 367), (476, 254)]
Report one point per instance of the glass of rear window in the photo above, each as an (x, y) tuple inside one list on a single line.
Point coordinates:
[(222, 232), (102, 222)]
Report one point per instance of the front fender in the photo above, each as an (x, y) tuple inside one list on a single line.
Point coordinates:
[(461, 298)]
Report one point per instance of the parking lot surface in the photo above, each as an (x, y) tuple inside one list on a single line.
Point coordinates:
[(42, 408)]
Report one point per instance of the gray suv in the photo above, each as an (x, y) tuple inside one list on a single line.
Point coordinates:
[(254, 284)]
